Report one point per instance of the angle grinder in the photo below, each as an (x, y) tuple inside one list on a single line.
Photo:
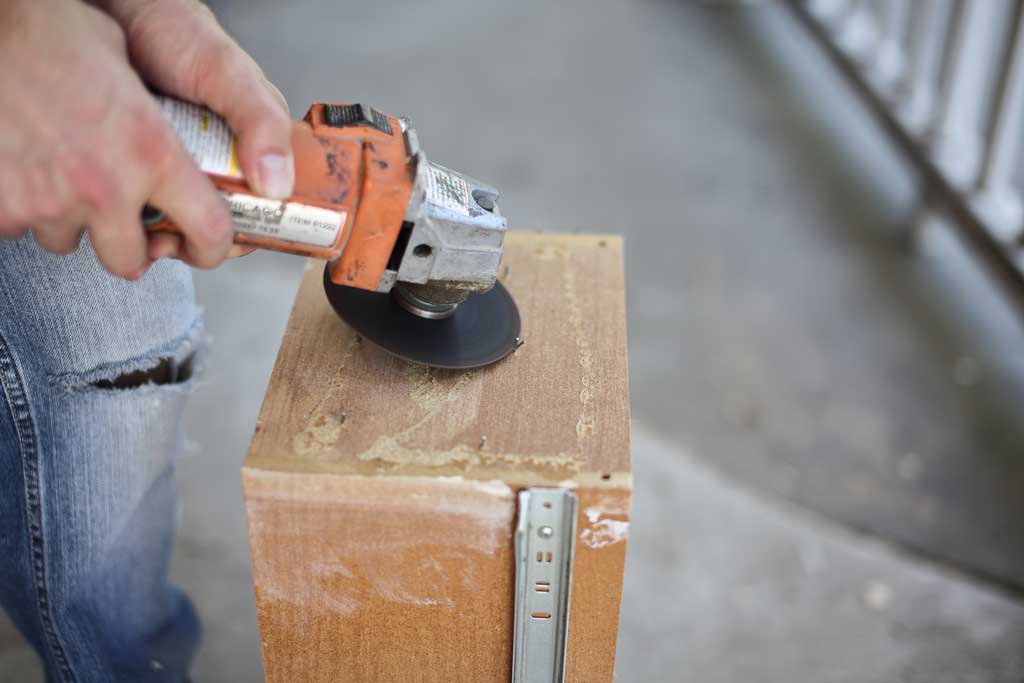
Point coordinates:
[(413, 247)]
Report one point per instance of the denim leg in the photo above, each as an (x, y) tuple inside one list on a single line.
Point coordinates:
[(88, 503)]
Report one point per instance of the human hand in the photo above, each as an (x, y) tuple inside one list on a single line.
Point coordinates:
[(179, 47), (84, 143)]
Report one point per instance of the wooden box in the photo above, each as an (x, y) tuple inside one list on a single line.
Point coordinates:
[(380, 517)]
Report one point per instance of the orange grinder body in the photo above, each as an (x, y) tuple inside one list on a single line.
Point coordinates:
[(353, 183)]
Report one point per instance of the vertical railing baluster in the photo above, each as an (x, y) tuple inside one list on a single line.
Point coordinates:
[(915, 91), (890, 59), (997, 199), (859, 34), (955, 136), (829, 12), (946, 79)]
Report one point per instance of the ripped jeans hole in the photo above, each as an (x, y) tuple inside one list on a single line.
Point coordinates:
[(166, 371)]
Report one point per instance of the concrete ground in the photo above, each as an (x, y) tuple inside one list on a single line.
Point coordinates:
[(828, 450)]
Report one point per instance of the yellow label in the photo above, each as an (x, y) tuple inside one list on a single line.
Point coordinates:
[(234, 168), (205, 135)]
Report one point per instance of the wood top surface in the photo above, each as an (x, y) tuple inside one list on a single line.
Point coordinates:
[(556, 410)]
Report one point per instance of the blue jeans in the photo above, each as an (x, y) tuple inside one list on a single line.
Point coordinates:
[(88, 504)]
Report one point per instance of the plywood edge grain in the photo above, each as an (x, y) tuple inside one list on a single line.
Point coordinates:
[(516, 477)]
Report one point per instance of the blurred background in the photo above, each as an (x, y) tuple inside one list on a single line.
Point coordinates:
[(827, 390)]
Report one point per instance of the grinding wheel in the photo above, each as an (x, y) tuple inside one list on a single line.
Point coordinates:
[(483, 329)]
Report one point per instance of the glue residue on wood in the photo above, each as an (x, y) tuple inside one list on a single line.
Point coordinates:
[(607, 522)]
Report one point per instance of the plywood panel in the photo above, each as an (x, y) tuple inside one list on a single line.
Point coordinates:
[(381, 521)]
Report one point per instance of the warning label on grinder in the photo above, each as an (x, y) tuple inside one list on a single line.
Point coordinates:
[(285, 220), (447, 189), (205, 135)]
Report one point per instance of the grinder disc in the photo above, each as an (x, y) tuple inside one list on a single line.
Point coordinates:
[(482, 330)]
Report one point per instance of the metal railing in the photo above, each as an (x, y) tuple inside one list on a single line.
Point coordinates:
[(946, 80)]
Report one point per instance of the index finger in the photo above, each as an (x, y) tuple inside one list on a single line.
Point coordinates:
[(190, 200)]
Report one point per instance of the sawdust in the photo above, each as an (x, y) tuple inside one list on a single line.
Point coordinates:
[(424, 386), (433, 392), (323, 431)]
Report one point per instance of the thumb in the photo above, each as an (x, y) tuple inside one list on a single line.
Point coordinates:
[(179, 47)]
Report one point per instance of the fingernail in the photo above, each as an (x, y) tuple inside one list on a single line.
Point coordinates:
[(277, 176)]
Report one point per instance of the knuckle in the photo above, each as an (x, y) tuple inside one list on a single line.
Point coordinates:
[(49, 204), (34, 200), (92, 181), (152, 143), (154, 20), (47, 208), (61, 171), (214, 66), (217, 226), (211, 243), (143, 21), (265, 124), (100, 192)]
